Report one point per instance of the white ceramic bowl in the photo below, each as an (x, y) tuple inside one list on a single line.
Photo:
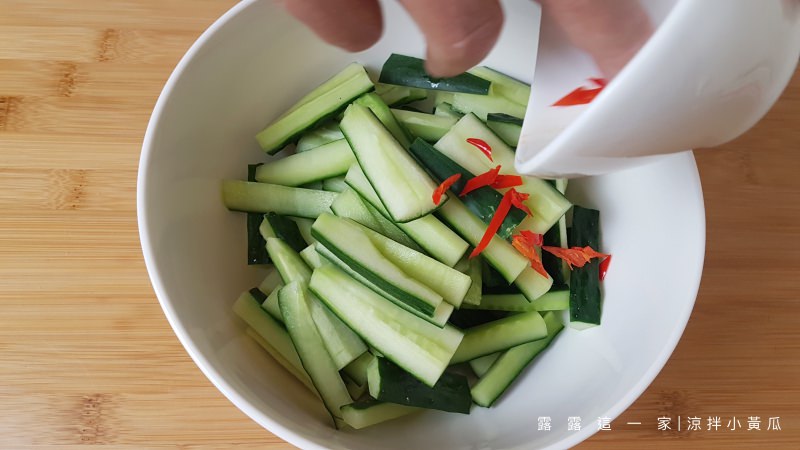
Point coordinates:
[(251, 65)]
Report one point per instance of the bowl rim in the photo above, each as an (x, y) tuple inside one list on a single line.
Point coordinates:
[(272, 425)]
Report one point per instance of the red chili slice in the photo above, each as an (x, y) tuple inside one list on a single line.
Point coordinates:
[(481, 145), (518, 199), (575, 256), (442, 188), (604, 267), (507, 181), (479, 181), (499, 216), (525, 243), (582, 95)]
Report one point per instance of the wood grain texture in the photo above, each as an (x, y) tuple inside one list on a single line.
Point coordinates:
[(87, 357)]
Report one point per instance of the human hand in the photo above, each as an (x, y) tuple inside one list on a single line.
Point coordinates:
[(459, 33)]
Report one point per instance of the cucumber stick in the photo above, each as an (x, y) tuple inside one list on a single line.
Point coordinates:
[(311, 257), (404, 188), (256, 245), (507, 128), (282, 227), (419, 347), (304, 226), (555, 300), (299, 374), (324, 134), (319, 163), (394, 95), (500, 254), (499, 335), (429, 127), (270, 304), (334, 184), (439, 317), (271, 281), (504, 86), (357, 370), (546, 202), (320, 104), (353, 246), (263, 198), (436, 238), (389, 383), (272, 332), (510, 364), (409, 71), (386, 117), (363, 414), (585, 302), (349, 205), (473, 268), (483, 202), (342, 343), (481, 365), (320, 366)]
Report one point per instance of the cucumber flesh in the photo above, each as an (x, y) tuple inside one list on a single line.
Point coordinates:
[(372, 412), (504, 86), (334, 184), (349, 205), (324, 134), (319, 365), (386, 117), (500, 335), (320, 104), (481, 365), (323, 162), (283, 228), (554, 300), (507, 128), (263, 198), (402, 185), (436, 238), (510, 364), (300, 375), (357, 370), (429, 127), (419, 347), (439, 317)]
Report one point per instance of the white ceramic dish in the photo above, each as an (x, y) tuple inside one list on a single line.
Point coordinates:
[(248, 67)]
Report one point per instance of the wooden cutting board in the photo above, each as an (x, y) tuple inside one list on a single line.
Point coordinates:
[(87, 358)]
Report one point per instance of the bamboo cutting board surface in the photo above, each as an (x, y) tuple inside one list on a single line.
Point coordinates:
[(87, 357)]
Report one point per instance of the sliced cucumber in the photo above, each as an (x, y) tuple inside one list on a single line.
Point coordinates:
[(325, 161), (324, 134), (440, 315), (426, 126), (546, 202), (451, 284), (357, 370), (320, 366), (419, 347), (504, 86), (511, 363), (372, 412), (334, 184), (386, 117), (409, 71), (249, 310), (481, 365), (500, 335), (436, 238), (507, 128), (311, 257), (483, 105), (532, 284), (288, 262), (256, 245), (499, 253), (585, 302), (554, 300), (283, 228), (298, 372), (270, 304), (483, 202), (263, 198), (350, 205), (556, 236), (320, 104), (271, 281), (446, 109), (394, 95), (389, 383), (349, 243), (473, 268), (343, 345), (402, 185)]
